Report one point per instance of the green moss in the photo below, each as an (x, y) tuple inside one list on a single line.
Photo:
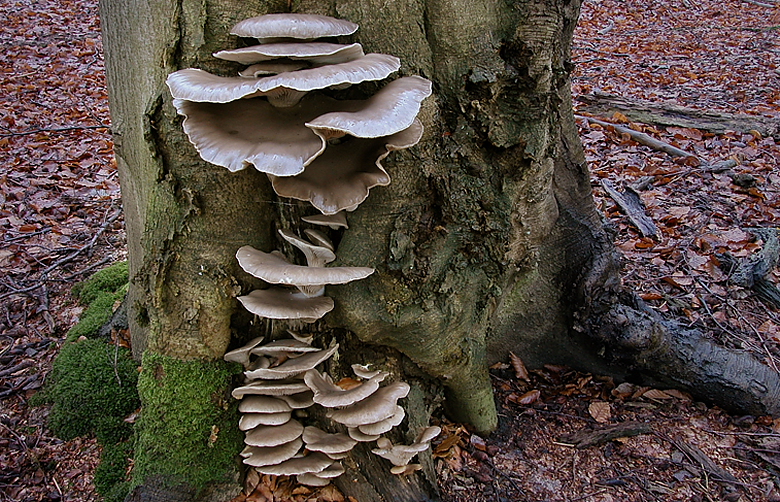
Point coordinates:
[(97, 314), (108, 280), (111, 479), (188, 432), (92, 387)]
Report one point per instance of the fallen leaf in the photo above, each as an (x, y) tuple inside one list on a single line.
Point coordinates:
[(600, 411), (529, 397), (520, 371)]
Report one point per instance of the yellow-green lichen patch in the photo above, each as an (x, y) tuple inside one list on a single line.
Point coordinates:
[(188, 431)]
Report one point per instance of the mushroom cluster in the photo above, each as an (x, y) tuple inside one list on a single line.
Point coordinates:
[(313, 147), (275, 116)]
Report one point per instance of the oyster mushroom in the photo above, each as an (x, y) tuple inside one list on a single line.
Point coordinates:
[(319, 53), (375, 408), (297, 26)]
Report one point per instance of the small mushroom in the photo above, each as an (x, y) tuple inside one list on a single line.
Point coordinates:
[(355, 434), (400, 455), (259, 456), (330, 395), (278, 303), (334, 221), (263, 404), (405, 470), (323, 477), (298, 26), (251, 420), (385, 425), (274, 435), (285, 346), (293, 367), (316, 256), (278, 388), (330, 444), (375, 408), (241, 354), (316, 462), (319, 53), (318, 238), (299, 400)]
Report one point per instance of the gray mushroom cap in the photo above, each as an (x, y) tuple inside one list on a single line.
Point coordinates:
[(316, 462), (272, 68), (330, 395), (299, 400), (385, 425), (263, 404), (340, 178), (274, 435), (300, 26), (355, 434), (377, 407), (192, 84), (320, 53), (278, 303), (316, 256), (271, 268), (284, 346), (318, 238), (319, 440), (251, 420), (334, 221), (270, 389), (241, 354), (293, 367), (398, 454), (258, 456), (387, 112)]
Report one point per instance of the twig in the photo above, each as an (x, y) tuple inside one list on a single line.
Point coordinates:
[(760, 4), (631, 204), (91, 267)]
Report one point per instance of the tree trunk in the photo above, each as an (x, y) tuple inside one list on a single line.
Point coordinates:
[(486, 240)]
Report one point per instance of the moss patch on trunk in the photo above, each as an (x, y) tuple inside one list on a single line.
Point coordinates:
[(188, 431)]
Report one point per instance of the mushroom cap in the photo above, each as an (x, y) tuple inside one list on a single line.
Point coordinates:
[(270, 389), (251, 420), (330, 395), (241, 354), (334, 221), (258, 456), (278, 303), (403, 470), (285, 346), (316, 256), (318, 238), (362, 371), (316, 52), (387, 112), (340, 178), (385, 425), (301, 26), (311, 479), (274, 435), (358, 436), (299, 400), (254, 132), (319, 440), (427, 434), (201, 86), (273, 269), (399, 454), (316, 462), (292, 367), (377, 407), (263, 404)]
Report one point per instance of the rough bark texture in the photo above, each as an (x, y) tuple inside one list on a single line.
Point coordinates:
[(486, 241)]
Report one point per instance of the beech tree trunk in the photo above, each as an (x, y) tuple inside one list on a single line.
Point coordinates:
[(487, 239)]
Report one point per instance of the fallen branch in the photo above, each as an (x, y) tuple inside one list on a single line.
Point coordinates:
[(664, 114), (643, 138), (586, 439), (752, 271), (632, 206), (54, 129)]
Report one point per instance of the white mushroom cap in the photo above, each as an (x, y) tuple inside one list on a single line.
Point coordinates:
[(377, 407), (269, 389), (201, 86), (387, 112), (301, 26), (385, 425), (355, 434), (251, 420), (316, 52), (316, 462), (278, 303), (241, 354), (319, 238), (362, 371), (263, 404), (259, 456), (299, 401), (403, 470), (427, 434), (333, 471), (271, 268), (398, 454), (330, 395), (319, 440), (293, 367), (341, 177), (311, 479), (285, 346), (316, 256), (270, 435), (334, 221)]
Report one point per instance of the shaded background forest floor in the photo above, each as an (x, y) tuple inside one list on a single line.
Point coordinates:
[(60, 220)]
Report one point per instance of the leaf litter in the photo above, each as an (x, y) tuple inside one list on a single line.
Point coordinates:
[(60, 220)]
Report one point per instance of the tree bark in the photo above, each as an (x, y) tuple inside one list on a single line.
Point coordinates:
[(487, 239)]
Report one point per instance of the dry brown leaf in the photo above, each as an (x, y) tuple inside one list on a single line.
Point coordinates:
[(444, 449), (520, 371), (529, 397), (656, 394), (600, 411)]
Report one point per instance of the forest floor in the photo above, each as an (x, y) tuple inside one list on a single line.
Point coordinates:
[(564, 436)]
